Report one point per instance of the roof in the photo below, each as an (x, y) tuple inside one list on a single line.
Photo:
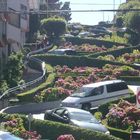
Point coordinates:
[(102, 83), (70, 109)]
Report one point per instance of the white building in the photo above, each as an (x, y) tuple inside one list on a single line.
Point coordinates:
[(14, 23)]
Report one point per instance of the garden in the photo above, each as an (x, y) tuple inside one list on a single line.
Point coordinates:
[(124, 115), (19, 125), (121, 117), (89, 48), (67, 79), (128, 58)]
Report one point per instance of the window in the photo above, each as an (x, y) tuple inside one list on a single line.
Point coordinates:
[(23, 11), (14, 18), (116, 87), (59, 111), (97, 91)]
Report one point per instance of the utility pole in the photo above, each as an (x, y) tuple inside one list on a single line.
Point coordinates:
[(47, 8)]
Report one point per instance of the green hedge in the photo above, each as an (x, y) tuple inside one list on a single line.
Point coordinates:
[(123, 134), (79, 41), (104, 108), (72, 61), (117, 52), (135, 80), (51, 130), (28, 96)]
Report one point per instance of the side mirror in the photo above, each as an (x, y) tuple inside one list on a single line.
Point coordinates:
[(66, 118)]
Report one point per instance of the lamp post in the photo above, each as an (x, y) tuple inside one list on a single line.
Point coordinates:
[(30, 118)]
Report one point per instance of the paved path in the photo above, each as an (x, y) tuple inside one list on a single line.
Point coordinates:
[(31, 75)]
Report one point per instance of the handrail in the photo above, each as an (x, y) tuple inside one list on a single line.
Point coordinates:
[(30, 83)]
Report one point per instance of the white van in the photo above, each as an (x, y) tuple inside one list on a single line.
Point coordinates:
[(93, 95)]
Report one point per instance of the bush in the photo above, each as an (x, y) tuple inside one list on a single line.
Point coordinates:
[(29, 95), (79, 41), (52, 130), (72, 61), (117, 52), (104, 109)]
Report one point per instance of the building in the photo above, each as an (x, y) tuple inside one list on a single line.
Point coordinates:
[(14, 23)]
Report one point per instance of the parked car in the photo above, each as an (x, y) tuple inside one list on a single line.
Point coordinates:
[(84, 34), (8, 136), (135, 135), (95, 94), (63, 52), (98, 30), (76, 117)]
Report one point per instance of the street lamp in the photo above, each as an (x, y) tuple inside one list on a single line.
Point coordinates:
[(30, 118)]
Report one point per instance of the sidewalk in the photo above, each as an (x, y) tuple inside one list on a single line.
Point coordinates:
[(31, 74)]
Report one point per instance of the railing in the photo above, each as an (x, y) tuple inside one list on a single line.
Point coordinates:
[(31, 84)]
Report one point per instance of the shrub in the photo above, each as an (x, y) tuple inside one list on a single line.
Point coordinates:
[(52, 130), (29, 95)]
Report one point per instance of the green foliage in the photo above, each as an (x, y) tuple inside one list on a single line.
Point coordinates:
[(115, 38), (66, 14), (131, 19), (54, 26), (51, 130), (116, 53), (104, 109), (119, 21), (98, 115), (123, 134), (14, 69), (97, 42), (3, 86), (29, 95)]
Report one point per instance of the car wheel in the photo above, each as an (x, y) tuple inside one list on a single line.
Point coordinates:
[(45, 116), (86, 107)]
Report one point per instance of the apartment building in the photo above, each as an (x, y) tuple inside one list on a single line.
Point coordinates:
[(14, 23)]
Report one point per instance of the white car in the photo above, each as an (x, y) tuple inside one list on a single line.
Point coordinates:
[(8, 136), (95, 94)]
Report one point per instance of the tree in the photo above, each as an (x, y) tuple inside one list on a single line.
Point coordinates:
[(131, 19), (14, 69), (66, 14), (119, 21), (3, 86), (53, 27)]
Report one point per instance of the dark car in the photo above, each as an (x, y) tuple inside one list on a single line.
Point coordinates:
[(63, 52), (76, 117), (135, 135), (98, 30)]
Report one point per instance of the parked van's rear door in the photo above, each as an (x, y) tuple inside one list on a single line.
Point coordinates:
[(116, 91), (95, 97)]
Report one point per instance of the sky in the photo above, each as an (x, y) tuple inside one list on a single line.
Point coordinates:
[(92, 18)]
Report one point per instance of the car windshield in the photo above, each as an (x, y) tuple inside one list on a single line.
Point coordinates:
[(83, 116), (82, 92)]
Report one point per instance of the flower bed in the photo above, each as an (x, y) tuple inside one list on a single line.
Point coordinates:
[(89, 48), (124, 115), (68, 79), (128, 58), (15, 125)]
